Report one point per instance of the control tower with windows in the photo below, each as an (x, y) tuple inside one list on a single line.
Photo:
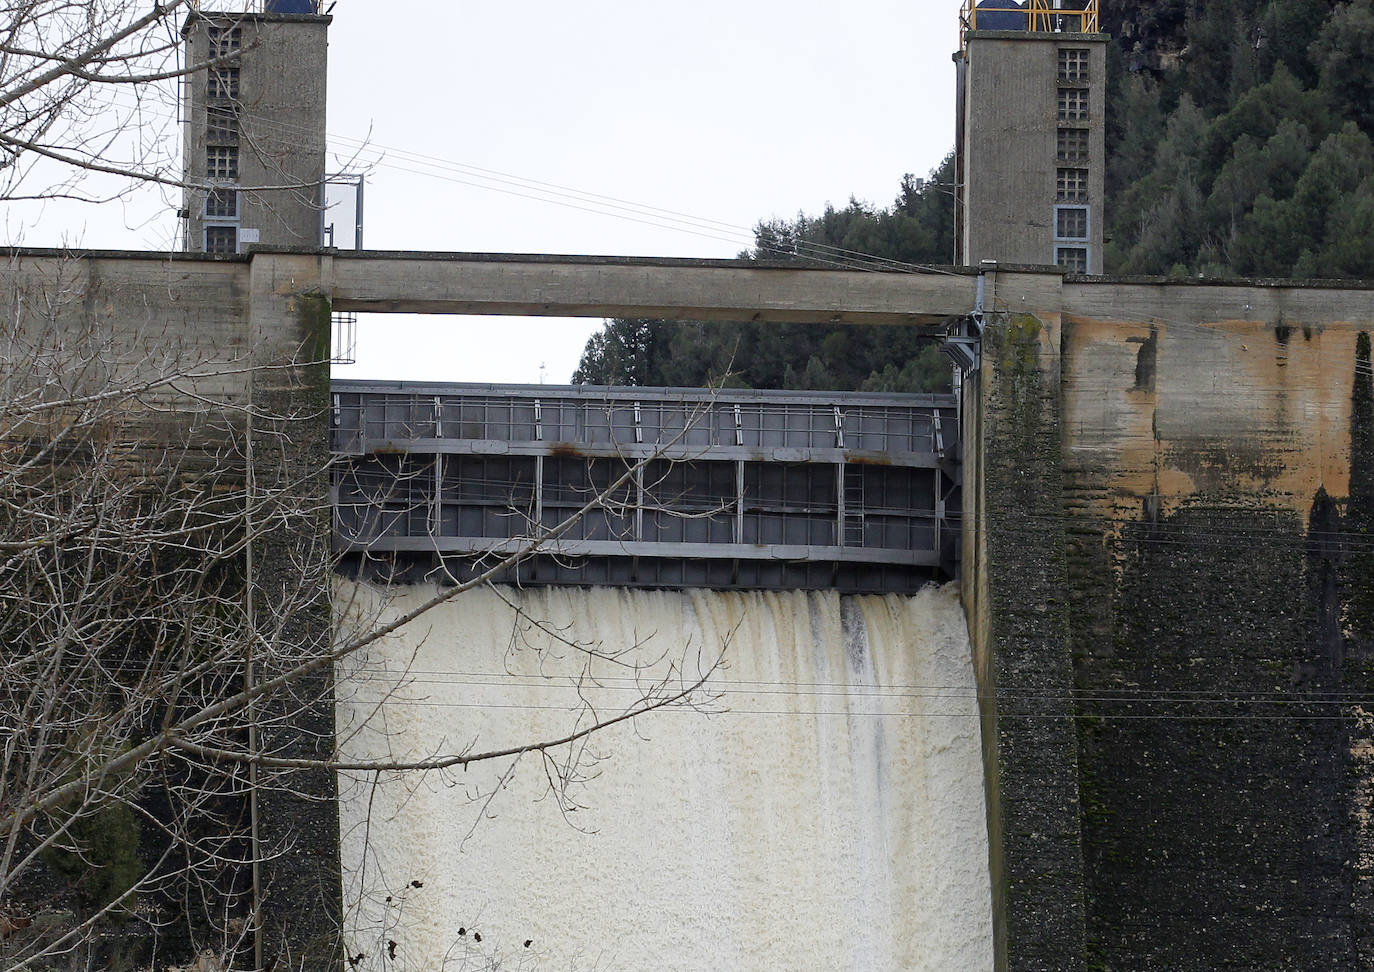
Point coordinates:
[(1029, 144), (254, 149)]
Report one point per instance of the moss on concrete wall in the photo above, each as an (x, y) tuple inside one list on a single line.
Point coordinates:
[(298, 814), (1039, 892)]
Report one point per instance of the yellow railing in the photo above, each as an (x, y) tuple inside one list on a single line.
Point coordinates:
[(1045, 16)]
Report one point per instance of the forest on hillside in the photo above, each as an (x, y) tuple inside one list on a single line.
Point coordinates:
[(1238, 144)]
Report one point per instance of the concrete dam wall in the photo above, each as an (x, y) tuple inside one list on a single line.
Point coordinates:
[(829, 814), (1166, 569)]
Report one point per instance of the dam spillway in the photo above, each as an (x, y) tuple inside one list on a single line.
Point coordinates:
[(829, 812)]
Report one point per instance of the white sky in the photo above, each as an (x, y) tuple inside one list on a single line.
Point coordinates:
[(729, 111)]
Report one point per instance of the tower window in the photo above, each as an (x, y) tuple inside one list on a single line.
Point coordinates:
[(1070, 222), (222, 162), (1074, 259), (1073, 104), (224, 83), (221, 239), (1071, 145), (1073, 64), (1071, 185), (221, 126), (222, 204), (225, 40)]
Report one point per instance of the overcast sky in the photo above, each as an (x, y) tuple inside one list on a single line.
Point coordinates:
[(724, 111)]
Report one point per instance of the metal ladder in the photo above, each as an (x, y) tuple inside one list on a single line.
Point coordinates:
[(853, 507)]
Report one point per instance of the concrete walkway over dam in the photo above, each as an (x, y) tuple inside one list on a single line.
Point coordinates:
[(740, 290), (686, 289)]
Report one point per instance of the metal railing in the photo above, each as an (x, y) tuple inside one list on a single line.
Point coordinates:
[(379, 416), (239, 6), (227, 6), (1043, 16)]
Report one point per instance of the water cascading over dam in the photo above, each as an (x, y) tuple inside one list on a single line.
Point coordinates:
[(830, 814)]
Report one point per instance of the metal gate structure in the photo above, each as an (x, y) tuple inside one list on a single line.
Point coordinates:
[(646, 487)]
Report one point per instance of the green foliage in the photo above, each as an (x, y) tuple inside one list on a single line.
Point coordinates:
[(927, 370), (1261, 113), (98, 855), (1350, 247), (1135, 128), (1293, 236), (1341, 53), (1253, 171), (1267, 244), (1259, 116), (1287, 29), (618, 354), (918, 228)]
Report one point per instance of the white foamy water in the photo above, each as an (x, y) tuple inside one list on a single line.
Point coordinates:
[(831, 818)]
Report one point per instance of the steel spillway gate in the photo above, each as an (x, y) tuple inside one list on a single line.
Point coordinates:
[(674, 487)]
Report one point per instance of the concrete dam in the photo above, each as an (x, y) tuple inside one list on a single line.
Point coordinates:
[(1157, 502), (819, 804), (1164, 494)]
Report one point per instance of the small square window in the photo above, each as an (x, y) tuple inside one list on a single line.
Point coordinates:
[(1073, 104), (222, 204), (224, 83), (225, 40), (1074, 259), (222, 162), (1071, 185), (1072, 145), (1071, 222), (221, 125), (221, 239), (1073, 64)]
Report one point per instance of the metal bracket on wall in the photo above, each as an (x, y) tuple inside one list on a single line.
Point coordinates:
[(963, 338)]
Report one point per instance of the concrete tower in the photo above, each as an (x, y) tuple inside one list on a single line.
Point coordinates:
[(1029, 144), (255, 127)]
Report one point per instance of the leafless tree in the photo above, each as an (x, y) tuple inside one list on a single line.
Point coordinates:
[(165, 652), (90, 97), (82, 90), (166, 664)]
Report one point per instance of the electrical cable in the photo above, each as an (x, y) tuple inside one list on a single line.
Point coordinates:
[(850, 713), (698, 225), (849, 259), (404, 680), (584, 200), (857, 691), (709, 228)]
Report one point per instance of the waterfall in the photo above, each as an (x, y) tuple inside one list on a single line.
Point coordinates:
[(827, 812)]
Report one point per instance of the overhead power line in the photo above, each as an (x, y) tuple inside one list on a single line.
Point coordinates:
[(374, 155), (463, 173)]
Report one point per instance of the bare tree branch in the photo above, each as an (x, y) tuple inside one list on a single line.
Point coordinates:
[(643, 707), (144, 692)]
